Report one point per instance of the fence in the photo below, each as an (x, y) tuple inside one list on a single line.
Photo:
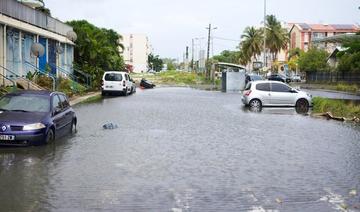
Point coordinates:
[(333, 77)]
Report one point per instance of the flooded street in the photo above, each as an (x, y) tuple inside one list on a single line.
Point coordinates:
[(180, 149)]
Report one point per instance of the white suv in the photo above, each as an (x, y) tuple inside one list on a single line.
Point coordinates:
[(116, 82)]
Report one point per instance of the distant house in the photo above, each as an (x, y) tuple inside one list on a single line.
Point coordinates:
[(21, 25), (302, 34), (333, 60)]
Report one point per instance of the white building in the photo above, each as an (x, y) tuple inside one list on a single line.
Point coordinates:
[(21, 25), (136, 51)]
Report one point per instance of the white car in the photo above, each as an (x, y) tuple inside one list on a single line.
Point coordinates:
[(296, 78), (116, 82), (274, 93)]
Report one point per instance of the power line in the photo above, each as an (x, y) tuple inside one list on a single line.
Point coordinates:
[(227, 39)]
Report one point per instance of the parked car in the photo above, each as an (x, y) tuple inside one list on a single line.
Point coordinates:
[(296, 78), (133, 85), (35, 117), (279, 77), (146, 83), (252, 77), (273, 93), (116, 82)]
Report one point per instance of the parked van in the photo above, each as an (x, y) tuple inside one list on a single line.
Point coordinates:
[(117, 82)]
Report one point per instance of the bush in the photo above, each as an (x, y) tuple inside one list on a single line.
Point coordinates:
[(44, 81), (69, 87), (340, 108), (347, 88)]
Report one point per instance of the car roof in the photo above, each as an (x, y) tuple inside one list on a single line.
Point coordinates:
[(115, 72), (266, 81)]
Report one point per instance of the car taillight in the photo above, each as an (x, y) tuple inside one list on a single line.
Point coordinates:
[(102, 82), (124, 83), (247, 93)]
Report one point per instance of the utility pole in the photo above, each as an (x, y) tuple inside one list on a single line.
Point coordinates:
[(207, 72), (187, 58), (208, 52)]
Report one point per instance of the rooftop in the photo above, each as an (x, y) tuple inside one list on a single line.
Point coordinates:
[(328, 27)]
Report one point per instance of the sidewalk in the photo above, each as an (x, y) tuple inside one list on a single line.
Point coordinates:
[(78, 99)]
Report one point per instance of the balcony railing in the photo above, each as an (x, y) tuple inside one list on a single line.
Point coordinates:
[(24, 13)]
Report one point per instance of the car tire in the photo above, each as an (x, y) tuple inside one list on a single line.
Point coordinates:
[(73, 129), (255, 103), (302, 103), (50, 136)]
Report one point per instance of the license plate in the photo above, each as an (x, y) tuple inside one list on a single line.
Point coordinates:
[(109, 86), (7, 137)]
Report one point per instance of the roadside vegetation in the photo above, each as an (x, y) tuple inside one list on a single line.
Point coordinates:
[(64, 85), (178, 78), (92, 99), (96, 50), (338, 108), (344, 87)]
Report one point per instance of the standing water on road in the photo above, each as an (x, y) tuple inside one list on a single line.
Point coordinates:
[(179, 149)]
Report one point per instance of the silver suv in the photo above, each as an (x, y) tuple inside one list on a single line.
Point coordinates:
[(273, 93)]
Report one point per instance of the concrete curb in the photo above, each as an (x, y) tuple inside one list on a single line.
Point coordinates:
[(78, 99)]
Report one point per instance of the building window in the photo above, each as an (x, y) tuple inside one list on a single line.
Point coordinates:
[(318, 34)]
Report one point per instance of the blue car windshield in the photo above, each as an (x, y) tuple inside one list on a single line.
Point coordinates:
[(25, 103)]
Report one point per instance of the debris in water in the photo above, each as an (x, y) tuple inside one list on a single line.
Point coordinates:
[(353, 192), (278, 200), (110, 126)]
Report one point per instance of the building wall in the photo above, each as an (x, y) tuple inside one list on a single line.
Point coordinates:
[(20, 36), (137, 49)]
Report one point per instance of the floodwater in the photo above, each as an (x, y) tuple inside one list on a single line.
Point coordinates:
[(180, 149)]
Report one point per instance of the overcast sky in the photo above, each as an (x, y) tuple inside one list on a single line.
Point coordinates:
[(171, 24)]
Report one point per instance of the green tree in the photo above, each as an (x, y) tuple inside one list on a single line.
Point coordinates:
[(350, 58), (96, 50), (155, 62), (227, 56), (277, 37), (313, 60), (252, 42)]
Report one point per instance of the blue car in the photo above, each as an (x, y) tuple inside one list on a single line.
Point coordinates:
[(35, 117)]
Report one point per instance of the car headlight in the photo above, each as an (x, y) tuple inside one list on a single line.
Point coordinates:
[(36, 126), (309, 95)]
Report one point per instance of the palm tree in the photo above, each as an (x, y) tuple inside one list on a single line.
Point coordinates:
[(277, 37), (251, 44)]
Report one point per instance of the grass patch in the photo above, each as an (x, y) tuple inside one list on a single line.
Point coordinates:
[(180, 78), (347, 87), (339, 108), (92, 99)]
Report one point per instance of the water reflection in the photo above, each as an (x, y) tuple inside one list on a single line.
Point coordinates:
[(25, 175), (279, 110)]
